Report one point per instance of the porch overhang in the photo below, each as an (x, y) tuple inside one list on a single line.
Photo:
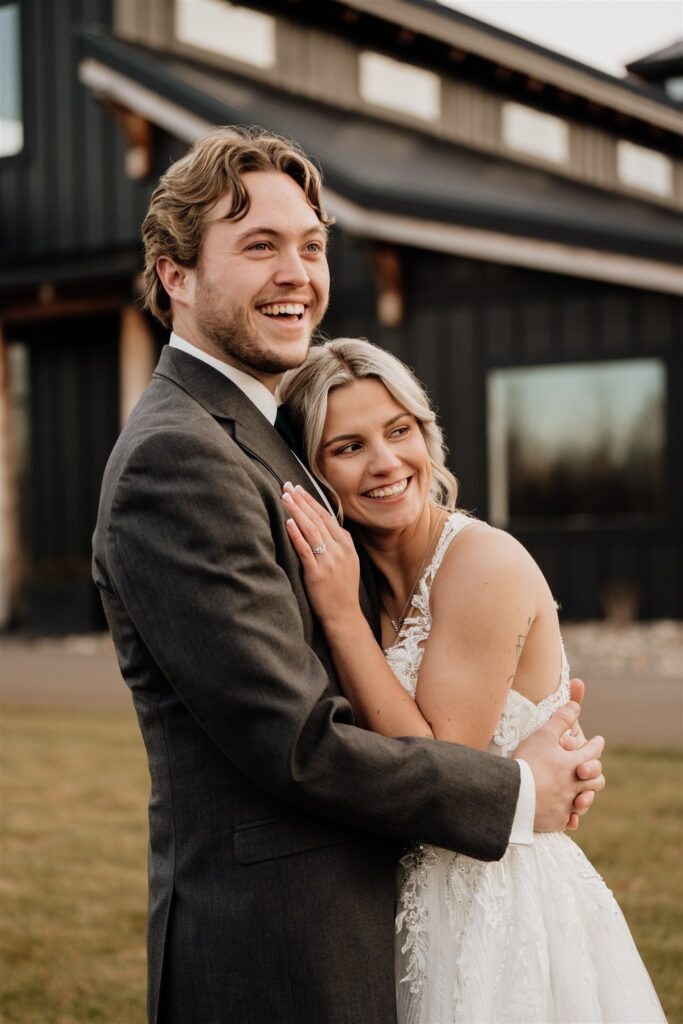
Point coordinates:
[(398, 185)]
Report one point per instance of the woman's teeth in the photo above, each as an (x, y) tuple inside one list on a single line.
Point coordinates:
[(388, 492)]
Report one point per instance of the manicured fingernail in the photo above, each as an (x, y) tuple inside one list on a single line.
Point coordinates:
[(287, 486), (289, 522), (300, 489), (287, 497)]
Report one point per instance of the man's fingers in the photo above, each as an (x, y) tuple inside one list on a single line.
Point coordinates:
[(576, 690), (592, 750), (583, 801), (596, 780), (565, 718)]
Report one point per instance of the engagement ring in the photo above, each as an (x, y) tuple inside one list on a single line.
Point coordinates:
[(320, 550)]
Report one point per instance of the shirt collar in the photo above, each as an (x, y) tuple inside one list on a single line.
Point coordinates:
[(258, 393)]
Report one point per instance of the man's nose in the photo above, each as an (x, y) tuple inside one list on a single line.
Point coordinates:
[(291, 269)]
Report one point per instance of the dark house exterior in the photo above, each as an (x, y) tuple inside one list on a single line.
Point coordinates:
[(509, 222)]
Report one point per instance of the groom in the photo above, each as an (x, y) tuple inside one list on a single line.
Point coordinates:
[(275, 822)]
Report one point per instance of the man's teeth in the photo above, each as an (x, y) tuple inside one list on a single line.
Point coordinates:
[(284, 309), (386, 492)]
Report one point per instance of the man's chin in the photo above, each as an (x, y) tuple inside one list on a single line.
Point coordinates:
[(286, 357)]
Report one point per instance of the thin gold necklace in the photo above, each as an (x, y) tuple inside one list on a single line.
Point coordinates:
[(397, 624)]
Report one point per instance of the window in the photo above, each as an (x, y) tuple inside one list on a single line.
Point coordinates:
[(11, 116), (398, 86), (577, 443), (530, 131), (674, 88), (224, 28), (644, 168)]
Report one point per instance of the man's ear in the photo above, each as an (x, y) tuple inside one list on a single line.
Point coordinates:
[(178, 281)]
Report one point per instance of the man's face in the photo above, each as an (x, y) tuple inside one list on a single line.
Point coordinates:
[(261, 284)]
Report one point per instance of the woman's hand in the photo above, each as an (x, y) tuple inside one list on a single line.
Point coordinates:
[(328, 556)]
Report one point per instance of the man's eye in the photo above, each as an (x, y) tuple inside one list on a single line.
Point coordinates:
[(259, 247), (315, 247)]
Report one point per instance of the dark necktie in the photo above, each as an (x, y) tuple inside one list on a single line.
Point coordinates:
[(286, 431)]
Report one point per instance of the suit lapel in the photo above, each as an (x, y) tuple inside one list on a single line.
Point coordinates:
[(252, 432), (227, 403)]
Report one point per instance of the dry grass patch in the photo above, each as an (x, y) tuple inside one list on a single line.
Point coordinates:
[(73, 866), (74, 793)]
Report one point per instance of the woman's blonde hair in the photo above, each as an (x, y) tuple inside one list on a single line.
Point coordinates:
[(333, 364), (213, 167)]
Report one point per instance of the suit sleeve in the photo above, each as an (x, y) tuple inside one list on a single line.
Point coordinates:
[(192, 558)]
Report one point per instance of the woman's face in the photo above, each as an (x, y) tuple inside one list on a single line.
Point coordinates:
[(374, 456)]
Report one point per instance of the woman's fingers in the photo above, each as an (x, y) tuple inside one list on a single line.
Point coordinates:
[(301, 545), (311, 530), (314, 508)]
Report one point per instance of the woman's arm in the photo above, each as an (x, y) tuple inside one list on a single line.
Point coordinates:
[(492, 614), (487, 600), (332, 578)]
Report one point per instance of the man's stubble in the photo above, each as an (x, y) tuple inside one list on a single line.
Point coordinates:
[(230, 332)]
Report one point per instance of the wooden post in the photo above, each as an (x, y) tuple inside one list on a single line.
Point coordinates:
[(10, 539), (137, 359)]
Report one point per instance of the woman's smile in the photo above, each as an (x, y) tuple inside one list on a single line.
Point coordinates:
[(389, 492)]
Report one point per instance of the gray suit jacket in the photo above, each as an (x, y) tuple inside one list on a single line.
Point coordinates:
[(274, 820)]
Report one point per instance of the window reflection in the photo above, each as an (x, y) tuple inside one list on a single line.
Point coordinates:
[(11, 124), (577, 442)]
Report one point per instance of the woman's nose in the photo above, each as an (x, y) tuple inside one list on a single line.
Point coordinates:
[(383, 459)]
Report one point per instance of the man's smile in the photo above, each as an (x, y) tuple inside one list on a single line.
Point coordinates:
[(288, 311)]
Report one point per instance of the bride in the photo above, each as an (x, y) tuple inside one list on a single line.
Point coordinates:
[(470, 637)]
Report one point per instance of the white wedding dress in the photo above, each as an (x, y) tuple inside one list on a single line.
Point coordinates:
[(535, 937)]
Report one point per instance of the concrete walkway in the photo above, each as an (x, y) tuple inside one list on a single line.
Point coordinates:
[(626, 704)]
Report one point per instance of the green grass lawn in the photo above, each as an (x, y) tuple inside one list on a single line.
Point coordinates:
[(74, 790)]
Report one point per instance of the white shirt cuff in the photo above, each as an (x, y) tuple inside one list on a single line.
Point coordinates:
[(523, 825)]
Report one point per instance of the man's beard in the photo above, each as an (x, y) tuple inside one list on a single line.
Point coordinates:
[(230, 332)]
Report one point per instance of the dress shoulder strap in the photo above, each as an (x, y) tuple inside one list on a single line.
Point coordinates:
[(456, 522)]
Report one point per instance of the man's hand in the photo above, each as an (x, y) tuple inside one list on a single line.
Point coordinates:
[(566, 769)]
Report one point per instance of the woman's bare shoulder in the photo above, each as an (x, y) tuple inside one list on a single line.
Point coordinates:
[(482, 557)]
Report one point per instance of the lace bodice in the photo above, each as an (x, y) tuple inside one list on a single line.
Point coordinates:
[(520, 716)]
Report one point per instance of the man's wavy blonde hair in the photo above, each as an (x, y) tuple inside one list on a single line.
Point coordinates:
[(175, 222), (334, 364)]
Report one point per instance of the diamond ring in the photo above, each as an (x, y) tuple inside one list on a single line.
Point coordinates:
[(320, 550)]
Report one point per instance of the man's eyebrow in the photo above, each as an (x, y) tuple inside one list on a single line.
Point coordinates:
[(350, 437), (315, 229)]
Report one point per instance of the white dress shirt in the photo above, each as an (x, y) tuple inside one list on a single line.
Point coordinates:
[(523, 825)]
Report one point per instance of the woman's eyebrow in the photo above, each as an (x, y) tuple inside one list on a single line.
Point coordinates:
[(339, 437), (349, 437)]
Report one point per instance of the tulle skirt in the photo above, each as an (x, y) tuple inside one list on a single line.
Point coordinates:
[(535, 938)]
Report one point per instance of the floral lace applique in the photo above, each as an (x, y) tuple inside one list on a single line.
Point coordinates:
[(414, 917), (405, 655)]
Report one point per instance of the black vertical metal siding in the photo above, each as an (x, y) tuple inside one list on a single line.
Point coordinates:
[(466, 317), (67, 191)]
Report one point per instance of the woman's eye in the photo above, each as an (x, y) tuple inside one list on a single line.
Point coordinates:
[(353, 447), (400, 431)]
